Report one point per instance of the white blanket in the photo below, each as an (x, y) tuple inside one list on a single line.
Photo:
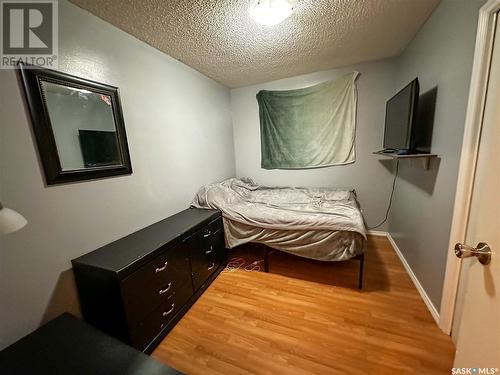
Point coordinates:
[(308, 222)]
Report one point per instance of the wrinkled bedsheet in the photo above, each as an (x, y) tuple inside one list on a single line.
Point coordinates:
[(317, 223)]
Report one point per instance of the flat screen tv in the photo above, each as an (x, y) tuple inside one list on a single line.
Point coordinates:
[(401, 126), (99, 148)]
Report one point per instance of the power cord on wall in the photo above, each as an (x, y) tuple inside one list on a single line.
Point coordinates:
[(390, 199)]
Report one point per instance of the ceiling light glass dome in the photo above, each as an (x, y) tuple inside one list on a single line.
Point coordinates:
[(271, 12)]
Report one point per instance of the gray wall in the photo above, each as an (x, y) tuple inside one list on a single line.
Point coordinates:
[(180, 137), (440, 55), (367, 175)]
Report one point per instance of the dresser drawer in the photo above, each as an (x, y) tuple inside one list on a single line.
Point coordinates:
[(207, 253), (208, 250), (201, 274), (153, 284), (209, 230), (211, 234), (142, 334)]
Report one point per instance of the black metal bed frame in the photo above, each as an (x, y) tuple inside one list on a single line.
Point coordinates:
[(360, 257)]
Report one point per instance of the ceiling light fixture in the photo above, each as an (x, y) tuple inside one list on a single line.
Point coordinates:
[(271, 12)]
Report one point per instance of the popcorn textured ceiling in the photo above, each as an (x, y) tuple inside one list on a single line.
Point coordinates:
[(219, 39)]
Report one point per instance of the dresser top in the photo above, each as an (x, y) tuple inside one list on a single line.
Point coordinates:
[(140, 246), (66, 345)]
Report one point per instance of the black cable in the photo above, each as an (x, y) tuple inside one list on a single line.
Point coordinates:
[(390, 199)]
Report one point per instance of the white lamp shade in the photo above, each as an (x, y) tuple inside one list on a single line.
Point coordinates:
[(10, 220)]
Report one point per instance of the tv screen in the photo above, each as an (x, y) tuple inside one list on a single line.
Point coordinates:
[(400, 115), (99, 148)]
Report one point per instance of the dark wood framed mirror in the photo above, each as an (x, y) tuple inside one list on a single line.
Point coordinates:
[(78, 125)]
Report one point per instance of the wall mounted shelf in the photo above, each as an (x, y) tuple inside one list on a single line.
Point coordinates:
[(426, 158)]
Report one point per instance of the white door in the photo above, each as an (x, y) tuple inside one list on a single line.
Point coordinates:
[(478, 304)]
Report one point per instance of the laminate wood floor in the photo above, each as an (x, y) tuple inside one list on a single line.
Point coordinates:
[(307, 317)]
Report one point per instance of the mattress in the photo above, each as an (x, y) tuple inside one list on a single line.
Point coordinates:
[(317, 223)]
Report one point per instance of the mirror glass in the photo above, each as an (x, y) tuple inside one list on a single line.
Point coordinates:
[(83, 125)]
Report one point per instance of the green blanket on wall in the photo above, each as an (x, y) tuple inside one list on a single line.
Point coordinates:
[(310, 127)]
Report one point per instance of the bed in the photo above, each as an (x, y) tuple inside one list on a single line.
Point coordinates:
[(324, 224)]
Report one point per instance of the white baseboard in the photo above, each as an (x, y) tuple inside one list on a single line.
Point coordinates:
[(377, 233), (430, 306)]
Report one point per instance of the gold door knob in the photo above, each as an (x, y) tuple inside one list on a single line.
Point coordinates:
[(482, 252)]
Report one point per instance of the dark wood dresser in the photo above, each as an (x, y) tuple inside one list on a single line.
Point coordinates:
[(68, 346), (138, 287)]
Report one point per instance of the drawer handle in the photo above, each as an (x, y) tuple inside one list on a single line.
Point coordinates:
[(163, 291), (207, 233), (162, 268), (210, 250), (167, 313), (211, 266)]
